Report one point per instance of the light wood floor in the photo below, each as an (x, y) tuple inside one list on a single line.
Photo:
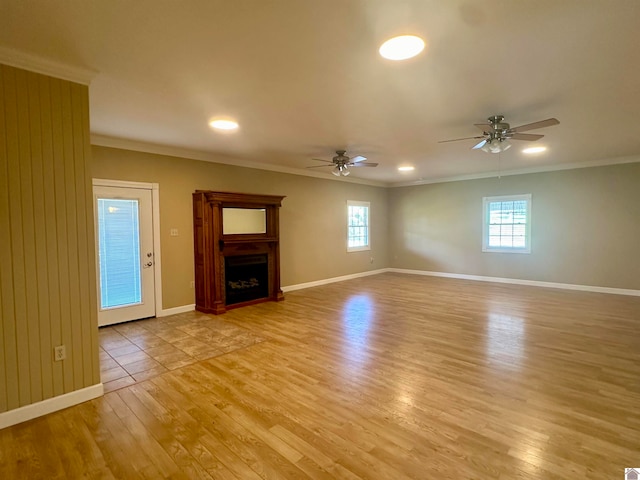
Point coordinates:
[(136, 351), (385, 377)]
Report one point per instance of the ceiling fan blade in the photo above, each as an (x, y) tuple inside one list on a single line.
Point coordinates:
[(479, 145), (531, 126), (458, 139), (321, 160), (485, 127), (531, 137), (319, 166), (362, 164), (357, 158)]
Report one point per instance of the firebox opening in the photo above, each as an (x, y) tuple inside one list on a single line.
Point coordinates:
[(246, 278)]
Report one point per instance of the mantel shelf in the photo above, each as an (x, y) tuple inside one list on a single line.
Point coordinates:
[(241, 241)]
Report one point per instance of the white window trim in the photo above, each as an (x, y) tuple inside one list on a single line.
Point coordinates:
[(355, 203), (485, 224)]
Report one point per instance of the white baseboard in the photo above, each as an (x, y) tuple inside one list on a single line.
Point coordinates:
[(462, 276), (175, 310), (300, 286), (516, 281), (28, 412)]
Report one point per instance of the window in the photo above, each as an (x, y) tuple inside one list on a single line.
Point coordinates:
[(357, 226), (119, 252), (506, 224)]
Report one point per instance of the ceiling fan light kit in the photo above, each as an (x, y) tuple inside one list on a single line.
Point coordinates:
[(496, 146), (340, 170)]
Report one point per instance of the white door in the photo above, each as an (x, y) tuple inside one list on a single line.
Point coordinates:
[(124, 246)]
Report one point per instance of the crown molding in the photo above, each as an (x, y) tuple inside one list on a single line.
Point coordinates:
[(125, 144), (523, 171), (45, 66), (137, 146)]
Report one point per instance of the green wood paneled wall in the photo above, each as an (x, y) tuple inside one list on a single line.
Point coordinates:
[(47, 260)]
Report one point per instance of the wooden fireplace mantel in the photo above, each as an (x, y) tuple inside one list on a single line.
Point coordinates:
[(212, 246)]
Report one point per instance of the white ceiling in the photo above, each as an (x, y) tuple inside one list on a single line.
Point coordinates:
[(304, 78)]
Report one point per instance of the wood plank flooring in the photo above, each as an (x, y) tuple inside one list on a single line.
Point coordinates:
[(386, 377)]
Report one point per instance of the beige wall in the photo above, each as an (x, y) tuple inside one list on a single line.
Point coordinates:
[(47, 275), (585, 227), (312, 217)]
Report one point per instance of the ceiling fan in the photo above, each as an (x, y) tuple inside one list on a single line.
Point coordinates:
[(497, 132), (342, 162)]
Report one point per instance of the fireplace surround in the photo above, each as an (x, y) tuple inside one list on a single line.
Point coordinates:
[(236, 249)]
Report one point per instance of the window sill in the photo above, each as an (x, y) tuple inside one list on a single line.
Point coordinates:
[(357, 249), (506, 250)]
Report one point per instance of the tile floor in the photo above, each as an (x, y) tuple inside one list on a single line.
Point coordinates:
[(135, 351)]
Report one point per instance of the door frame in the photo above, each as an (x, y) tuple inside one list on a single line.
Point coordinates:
[(155, 218)]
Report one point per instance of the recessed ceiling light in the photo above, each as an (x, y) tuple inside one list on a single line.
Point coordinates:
[(224, 124), (406, 169), (402, 47), (534, 150)]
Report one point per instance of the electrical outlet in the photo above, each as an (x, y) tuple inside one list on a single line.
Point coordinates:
[(371, 259), (192, 284), (59, 353)]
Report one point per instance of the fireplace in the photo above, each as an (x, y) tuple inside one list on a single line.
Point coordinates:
[(236, 250), (246, 278)]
